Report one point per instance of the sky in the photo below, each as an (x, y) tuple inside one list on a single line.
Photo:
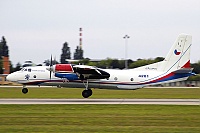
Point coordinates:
[(35, 29)]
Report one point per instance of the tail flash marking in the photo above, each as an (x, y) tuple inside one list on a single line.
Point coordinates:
[(187, 65)]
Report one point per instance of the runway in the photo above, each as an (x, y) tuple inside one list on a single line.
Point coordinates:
[(103, 101)]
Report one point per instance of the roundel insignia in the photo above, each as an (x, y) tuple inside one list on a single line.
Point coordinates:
[(27, 77), (176, 52)]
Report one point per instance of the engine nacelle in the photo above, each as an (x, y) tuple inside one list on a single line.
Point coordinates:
[(63, 68), (69, 76)]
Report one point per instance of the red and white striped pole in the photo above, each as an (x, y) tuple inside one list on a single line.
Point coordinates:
[(80, 45)]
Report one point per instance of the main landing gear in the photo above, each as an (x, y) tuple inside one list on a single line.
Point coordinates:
[(87, 92), (24, 90)]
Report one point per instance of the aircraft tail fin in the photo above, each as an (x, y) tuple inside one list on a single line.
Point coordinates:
[(179, 55)]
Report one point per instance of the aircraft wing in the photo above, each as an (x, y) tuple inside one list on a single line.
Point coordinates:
[(90, 72), (82, 72)]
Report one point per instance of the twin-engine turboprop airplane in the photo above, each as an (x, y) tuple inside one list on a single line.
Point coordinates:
[(175, 67)]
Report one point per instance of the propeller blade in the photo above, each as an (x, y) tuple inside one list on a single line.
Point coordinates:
[(51, 64), (54, 60), (51, 61), (50, 75)]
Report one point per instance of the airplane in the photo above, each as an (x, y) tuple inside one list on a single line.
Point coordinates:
[(175, 67)]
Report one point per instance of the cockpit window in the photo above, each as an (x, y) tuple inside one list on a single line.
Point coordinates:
[(26, 69)]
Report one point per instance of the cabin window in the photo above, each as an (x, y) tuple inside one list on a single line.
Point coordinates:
[(131, 79), (25, 69), (115, 78), (29, 70), (34, 76)]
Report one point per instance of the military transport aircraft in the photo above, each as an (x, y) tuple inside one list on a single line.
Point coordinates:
[(175, 67)]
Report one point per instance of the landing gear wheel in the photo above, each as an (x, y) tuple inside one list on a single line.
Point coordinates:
[(87, 93), (90, 92), (24, 90)]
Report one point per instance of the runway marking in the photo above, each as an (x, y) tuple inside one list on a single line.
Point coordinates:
[(103, 101)]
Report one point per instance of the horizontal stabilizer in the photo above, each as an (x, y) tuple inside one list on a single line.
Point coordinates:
[(184, 70)]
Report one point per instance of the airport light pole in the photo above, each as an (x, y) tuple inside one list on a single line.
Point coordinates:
[(126, 37)]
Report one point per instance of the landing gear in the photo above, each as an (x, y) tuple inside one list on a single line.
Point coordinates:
[(87, 92), (24, 90)]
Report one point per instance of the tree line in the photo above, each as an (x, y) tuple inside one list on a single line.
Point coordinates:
[(3, 52), (66, 53)]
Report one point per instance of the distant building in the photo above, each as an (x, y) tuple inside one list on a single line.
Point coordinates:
[(6, 65)]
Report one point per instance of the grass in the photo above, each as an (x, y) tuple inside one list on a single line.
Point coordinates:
[(99, 118), (53, 92)]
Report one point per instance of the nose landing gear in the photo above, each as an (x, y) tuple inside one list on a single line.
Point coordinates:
[(24, 90)]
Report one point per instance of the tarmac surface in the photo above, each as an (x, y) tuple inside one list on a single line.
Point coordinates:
[(103, 101)]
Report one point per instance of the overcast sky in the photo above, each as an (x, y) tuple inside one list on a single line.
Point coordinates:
[(35, 29)]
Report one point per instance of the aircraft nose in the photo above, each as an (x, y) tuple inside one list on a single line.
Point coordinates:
[(11, 77)]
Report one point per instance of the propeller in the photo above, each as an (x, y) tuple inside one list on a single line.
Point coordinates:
[(51, 65), (50, 69)]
